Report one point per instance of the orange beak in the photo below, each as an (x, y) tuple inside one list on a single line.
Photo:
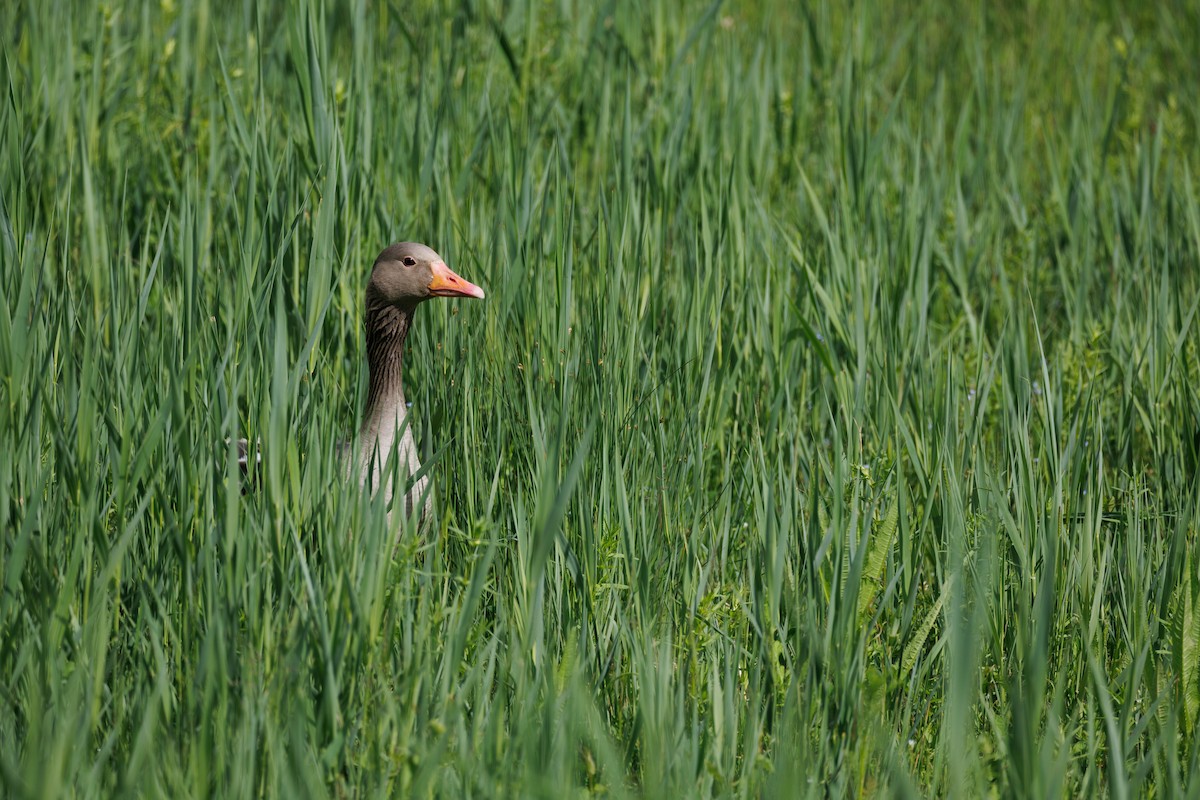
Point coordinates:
[(446, 284)]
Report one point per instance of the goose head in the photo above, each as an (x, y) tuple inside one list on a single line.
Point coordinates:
[(407, 273)]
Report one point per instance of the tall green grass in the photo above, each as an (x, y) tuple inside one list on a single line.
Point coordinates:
[(831, 426)]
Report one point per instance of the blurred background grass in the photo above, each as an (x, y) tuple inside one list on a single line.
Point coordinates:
[(831, 425)]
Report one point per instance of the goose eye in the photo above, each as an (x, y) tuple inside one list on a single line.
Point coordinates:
[(409, 261)]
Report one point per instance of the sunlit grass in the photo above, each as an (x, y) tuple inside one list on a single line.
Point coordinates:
[(831, 425)]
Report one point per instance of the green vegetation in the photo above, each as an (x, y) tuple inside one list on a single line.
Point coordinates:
[(831, 426)]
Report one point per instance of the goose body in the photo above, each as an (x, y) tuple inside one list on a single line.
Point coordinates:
[(404, 275), (365, 459)]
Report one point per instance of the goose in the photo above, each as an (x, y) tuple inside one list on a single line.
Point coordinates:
[(404, 275)]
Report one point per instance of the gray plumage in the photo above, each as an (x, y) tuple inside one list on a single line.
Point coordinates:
[(404, 275)]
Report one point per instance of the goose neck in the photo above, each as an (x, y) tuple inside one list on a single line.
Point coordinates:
[(387, 328)]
